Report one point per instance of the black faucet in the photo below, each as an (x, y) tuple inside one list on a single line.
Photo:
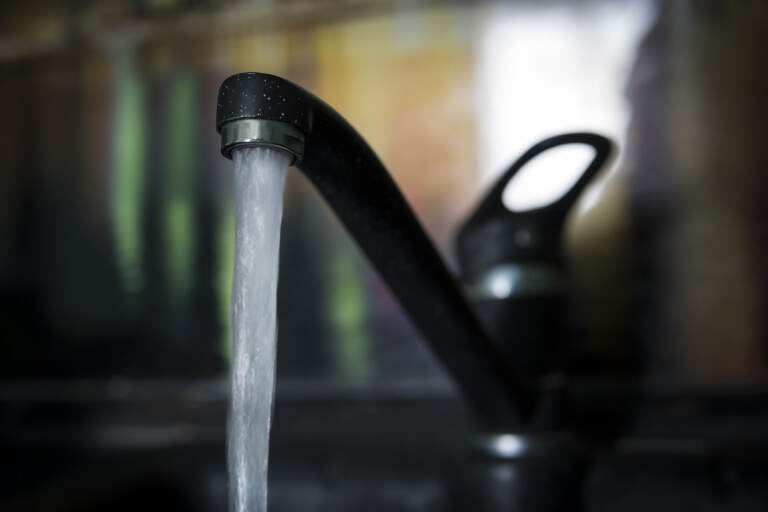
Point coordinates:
[(522, 456), (260, 109)]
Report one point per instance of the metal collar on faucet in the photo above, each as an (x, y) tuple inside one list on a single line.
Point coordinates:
[(262, 132)]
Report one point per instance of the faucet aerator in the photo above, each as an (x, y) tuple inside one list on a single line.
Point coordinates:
[(262, 132)]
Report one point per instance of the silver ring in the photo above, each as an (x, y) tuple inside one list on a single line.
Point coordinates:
[(262, 132), (516, 280)]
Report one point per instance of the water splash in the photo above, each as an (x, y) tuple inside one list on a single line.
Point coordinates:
[(259, 183)]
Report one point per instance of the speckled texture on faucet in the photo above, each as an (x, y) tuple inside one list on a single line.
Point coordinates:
[(262, 96)]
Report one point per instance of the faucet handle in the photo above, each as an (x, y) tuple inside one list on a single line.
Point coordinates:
[(496, 234), (514, 273)]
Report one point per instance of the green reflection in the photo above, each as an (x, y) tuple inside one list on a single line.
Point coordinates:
[(348, 314), (181, 170), (129, 151), (224, 270)]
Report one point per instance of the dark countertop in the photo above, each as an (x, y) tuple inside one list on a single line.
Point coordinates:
[(90, 445)]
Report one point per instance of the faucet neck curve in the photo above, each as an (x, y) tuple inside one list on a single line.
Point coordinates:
[(357, 186)]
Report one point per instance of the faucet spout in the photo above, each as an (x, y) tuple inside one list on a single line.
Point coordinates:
[(261, 109)]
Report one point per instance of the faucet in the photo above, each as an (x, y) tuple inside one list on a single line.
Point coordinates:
[(523, 455), (257, 109)]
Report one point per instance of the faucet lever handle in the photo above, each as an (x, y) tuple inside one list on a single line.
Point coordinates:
[(493, 204), (495, 234)]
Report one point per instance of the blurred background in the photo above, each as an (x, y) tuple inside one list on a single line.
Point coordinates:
[(117, 231)]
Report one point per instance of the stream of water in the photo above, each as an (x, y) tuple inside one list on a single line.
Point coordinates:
[(259, 183)]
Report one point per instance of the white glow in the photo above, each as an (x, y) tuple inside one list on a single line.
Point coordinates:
[(501, 286), (508, 445), (546, 69), (547, 177)]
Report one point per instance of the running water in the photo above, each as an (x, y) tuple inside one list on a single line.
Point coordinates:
[(259, 182)]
